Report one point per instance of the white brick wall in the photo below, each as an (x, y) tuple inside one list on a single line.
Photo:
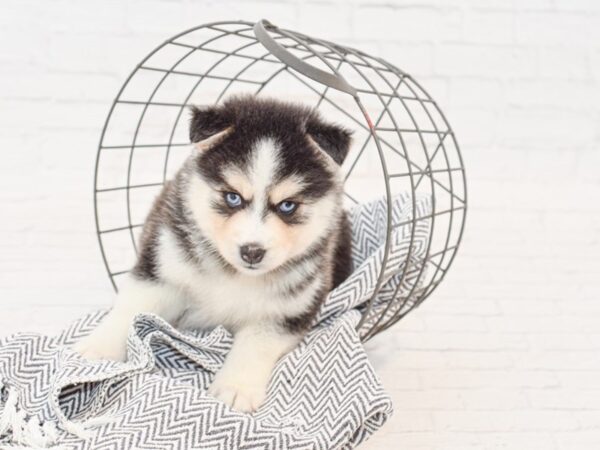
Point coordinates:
[(506, 354)]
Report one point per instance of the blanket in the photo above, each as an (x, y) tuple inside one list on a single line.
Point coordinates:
[(323, 395)]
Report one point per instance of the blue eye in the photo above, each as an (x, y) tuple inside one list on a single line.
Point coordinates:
[(286, 207), (233, 199)]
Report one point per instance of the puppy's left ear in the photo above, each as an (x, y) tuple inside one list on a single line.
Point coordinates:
[(208, 125), (332, 139)]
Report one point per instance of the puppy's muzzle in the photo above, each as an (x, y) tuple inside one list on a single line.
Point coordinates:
[(252, 253)]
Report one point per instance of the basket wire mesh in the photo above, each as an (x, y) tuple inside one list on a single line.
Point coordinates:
[(402, 140)]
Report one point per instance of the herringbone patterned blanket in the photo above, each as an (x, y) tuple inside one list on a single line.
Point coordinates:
[(323, 395)]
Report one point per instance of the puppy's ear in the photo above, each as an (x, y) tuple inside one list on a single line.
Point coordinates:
[(208, 125), (332, 139)]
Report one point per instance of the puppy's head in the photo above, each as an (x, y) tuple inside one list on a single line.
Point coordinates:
[(265, 184)]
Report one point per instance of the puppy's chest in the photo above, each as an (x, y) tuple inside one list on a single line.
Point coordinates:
[(216, 297)]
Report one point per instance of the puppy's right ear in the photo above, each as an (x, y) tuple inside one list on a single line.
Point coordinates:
[(208, 125)]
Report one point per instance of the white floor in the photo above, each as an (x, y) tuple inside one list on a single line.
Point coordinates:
[(505, 355)]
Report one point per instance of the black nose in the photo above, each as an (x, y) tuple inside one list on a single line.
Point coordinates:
[(252, 253)]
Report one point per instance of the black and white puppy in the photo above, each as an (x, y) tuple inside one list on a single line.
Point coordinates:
[(250, 234)]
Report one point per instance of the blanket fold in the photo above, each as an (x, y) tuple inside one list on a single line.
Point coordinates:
[(323, 395)]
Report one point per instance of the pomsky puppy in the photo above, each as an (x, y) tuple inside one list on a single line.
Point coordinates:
[(250, 234)]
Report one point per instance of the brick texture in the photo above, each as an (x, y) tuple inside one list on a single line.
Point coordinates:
[(506, 353)]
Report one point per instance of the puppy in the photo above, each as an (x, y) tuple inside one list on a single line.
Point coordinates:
[(250, 234)]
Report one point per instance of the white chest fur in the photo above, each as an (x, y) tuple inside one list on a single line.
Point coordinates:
[(216, 297)]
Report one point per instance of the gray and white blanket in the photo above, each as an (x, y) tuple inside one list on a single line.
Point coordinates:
[(323, 395)]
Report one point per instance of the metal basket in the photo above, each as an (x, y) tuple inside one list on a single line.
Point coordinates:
[(402, 141)]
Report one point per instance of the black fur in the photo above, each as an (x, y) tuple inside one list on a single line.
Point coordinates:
[(207, 122), (343, 253), (301, 324), (296, 129), (146, 266), (342, 268), (299, 287), (290, 125), (333, 139)]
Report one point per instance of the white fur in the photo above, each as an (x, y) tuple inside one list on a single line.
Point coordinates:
[(250, 226), (264, 165), (249, 303), (109, 338), (243, 379), (245, 304), (215, 297)]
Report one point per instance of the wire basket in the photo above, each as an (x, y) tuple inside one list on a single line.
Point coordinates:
[(402, 141)]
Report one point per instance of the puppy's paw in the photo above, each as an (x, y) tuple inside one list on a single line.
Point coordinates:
[(99, 345), (237, 392)]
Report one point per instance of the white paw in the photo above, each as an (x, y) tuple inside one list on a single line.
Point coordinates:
[(100, 345), (237, 392)]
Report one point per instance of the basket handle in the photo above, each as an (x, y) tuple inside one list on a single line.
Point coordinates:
[(335, 81)]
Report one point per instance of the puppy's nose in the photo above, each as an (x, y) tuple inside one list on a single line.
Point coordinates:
[(252, 253)]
